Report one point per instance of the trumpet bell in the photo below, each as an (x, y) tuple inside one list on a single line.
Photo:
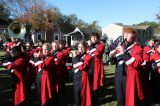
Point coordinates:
[(16, 30)]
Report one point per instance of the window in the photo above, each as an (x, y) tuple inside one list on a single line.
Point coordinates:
[(56, 36), (39, 36), (2, 30)]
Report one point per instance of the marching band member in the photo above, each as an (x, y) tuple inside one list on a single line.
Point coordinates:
[(147, 52), (82, 86), (133, 61), (155, 74), (97, 68), (31, 71), (17, 67), (58, 58), (66, 60), (46, 80), (130, 55), (120, 77)]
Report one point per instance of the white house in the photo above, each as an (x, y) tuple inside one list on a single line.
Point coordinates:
[(77, 35), (113, 31)]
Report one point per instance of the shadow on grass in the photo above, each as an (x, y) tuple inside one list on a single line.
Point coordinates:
[(106, 95), (6, 94)]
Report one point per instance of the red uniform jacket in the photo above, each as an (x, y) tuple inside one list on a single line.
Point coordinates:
[(48, 86), (59, 67), (65, 59), (147, 52), (133, 85), (146, 66), (31, 70), (86, 91), (98, 67), (18, 69), (155, 58)]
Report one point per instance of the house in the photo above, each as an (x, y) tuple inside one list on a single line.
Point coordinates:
[(3, 24), (50, 36), (113, 31), (157, 37), (78, 34)]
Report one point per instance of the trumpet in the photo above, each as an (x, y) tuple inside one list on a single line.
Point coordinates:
[(16, 30)]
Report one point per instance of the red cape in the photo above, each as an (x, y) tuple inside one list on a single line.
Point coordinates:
[(98, 67), (133, 85), (86, 92), (20, 91), (48, 86)]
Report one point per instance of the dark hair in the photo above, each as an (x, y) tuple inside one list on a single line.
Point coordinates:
[(62, 42), (17, 49), (95, 34), (30, 42), (83, 43), (8, 40), (42, 41), (152, 39)]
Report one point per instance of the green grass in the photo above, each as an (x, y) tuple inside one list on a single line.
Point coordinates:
[(2, 53), (106, 95)]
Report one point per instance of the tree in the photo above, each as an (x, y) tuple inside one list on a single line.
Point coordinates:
[(19, 7), (94, 26), (41, 17), (65, 23), (155, 25), (121, 24), (158, 17), (3, 11)]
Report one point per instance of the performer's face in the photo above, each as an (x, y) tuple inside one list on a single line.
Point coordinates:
[(89, 42), (61, 46), (151, 43), (129, 37), (54, 46), (45, 50), (94, 39), (28, 46), (81, 48)]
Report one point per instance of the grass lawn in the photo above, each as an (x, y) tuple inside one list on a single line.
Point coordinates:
[(106, 94)]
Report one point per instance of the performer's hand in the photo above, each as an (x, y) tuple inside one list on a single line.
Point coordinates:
[(112, 53), (120, 49)]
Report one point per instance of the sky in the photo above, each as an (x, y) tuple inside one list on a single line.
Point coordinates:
[(106, 12)]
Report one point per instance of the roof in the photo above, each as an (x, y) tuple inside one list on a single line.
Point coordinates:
[(137, 27), (86, 31), (3, 18), (81, 31)]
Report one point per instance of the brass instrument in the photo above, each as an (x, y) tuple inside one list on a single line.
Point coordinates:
[(16, 30)]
